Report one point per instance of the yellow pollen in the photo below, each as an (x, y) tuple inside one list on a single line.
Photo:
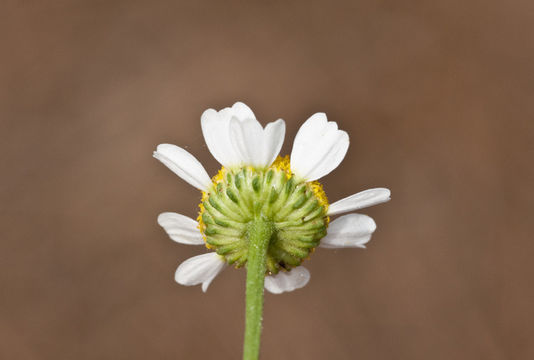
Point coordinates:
[(282, 163), (319, 193), (219, 177)]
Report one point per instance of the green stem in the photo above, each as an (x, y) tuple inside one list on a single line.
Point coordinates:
[(259, 234)]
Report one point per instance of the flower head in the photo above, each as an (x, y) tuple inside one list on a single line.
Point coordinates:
[(254, 182)]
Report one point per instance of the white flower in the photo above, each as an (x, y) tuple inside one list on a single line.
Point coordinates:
[(236, 139)]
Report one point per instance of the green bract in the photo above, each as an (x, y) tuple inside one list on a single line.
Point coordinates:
[(295, 212)]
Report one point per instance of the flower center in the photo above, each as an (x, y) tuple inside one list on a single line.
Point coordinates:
[(296, 211)]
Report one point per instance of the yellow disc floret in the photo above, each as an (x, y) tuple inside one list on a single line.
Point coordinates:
[(283, 164)]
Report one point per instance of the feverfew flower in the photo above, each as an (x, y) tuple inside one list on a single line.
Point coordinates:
[(255, 184)]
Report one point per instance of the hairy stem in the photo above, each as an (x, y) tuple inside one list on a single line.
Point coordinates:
[(259, 234)]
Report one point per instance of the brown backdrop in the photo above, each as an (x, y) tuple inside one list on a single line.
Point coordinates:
[(437, 98)]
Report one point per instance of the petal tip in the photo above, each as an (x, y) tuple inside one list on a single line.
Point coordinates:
[(161, 218)]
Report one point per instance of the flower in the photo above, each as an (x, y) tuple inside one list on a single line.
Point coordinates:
[(255, 180)]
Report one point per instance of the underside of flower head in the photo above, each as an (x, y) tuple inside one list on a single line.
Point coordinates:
[(295, 210)]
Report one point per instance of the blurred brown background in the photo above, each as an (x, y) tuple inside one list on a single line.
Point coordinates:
[(436, 96)]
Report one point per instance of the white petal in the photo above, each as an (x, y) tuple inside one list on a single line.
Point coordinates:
[(236, 138), (360, 200), (247, 138), (319, 148), (287, 281), (181, 228), (201, 269), (242, 111), (273, 139), (216, 130), (184, 165), (255, 145), (215, 127), (353, 230)]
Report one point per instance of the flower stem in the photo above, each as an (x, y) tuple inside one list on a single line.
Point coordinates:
[(259, 234)]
